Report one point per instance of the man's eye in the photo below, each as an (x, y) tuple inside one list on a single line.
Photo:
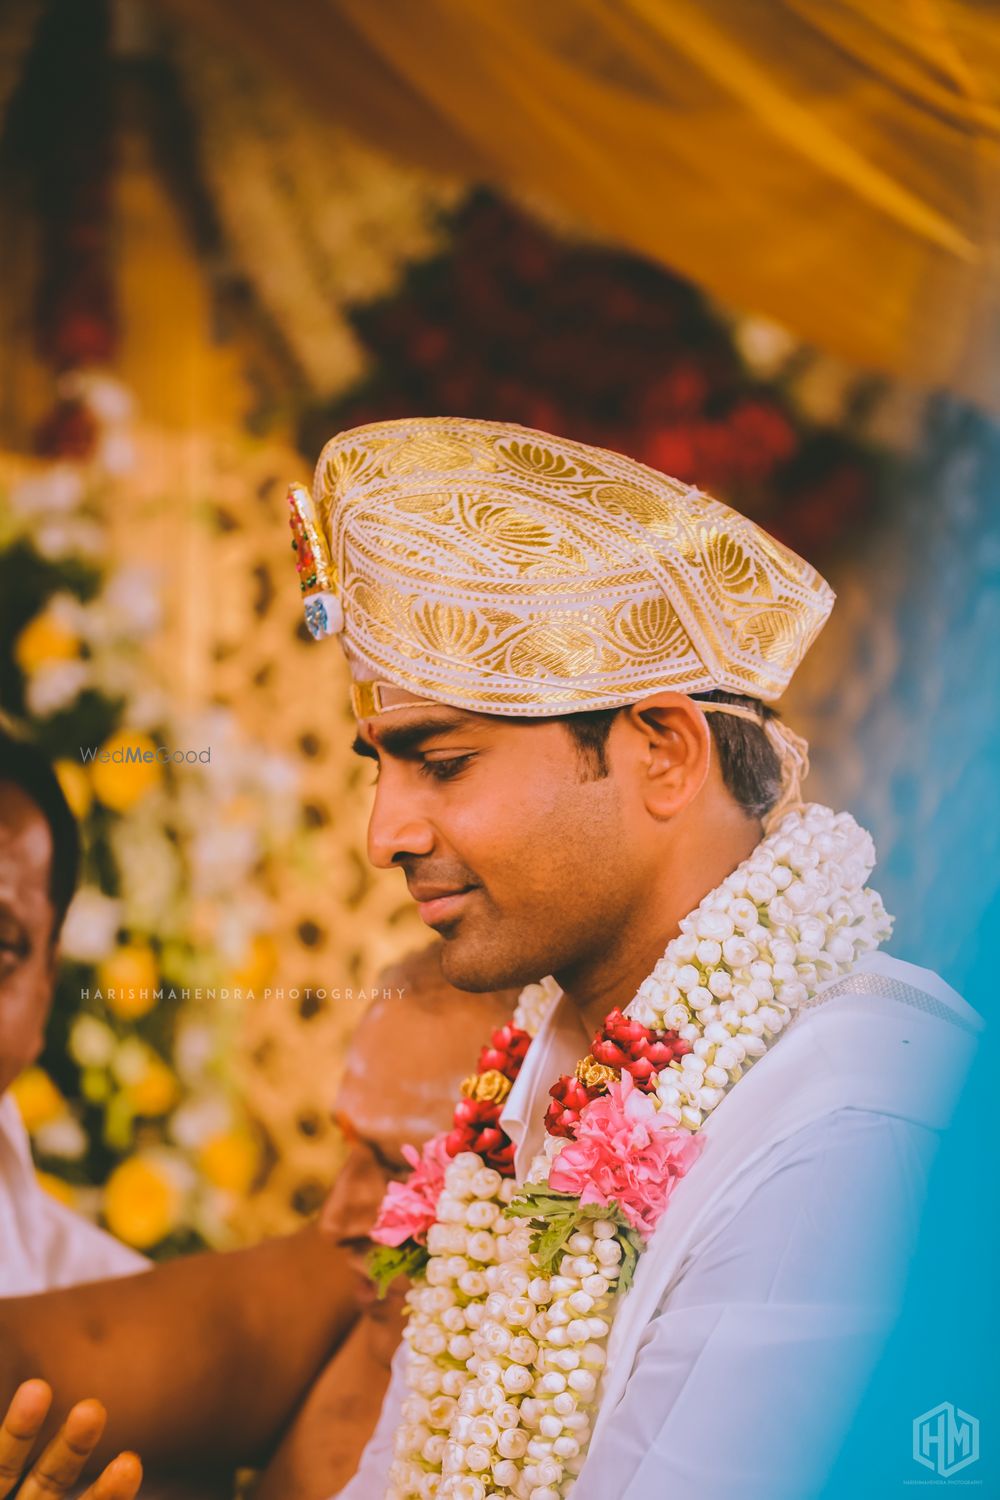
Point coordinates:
[(11, 953), (444, 770)]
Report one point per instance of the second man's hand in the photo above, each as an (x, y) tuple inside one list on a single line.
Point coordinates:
[(56, 1471)]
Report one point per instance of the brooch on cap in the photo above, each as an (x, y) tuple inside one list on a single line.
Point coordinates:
[(317, 578)]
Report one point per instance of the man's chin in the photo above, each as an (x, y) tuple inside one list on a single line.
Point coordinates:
[(465, 966)]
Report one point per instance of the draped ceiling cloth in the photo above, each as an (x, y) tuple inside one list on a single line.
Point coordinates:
[(832, 164)]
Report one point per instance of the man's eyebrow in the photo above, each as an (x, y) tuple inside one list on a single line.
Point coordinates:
[(404, 739)]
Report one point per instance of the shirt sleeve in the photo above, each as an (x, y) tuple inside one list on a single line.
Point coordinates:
[(748, 1376), (73, 1250)]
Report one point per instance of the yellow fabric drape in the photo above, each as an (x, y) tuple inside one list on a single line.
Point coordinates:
[(832, 165)]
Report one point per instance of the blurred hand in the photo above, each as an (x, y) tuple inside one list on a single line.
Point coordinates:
[(55, 1473), (349, 1212), (353, 1202)]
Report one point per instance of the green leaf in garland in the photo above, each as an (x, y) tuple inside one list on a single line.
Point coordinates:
[(557, 1216), (386, 1262), (549, 1243), (632, 1247)]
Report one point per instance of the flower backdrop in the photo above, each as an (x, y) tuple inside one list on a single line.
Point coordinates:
[(518, 324), (131, 1110)]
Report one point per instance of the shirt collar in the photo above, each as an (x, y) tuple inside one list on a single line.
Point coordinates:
[(561, 1041)]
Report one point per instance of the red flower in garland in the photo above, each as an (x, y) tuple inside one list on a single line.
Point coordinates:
[(476, 1129), (628, 1046), (477, 1114), (621, 1046), (569, 1095), (507, 1049)]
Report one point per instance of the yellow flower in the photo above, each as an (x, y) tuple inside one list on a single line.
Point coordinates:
[(258, 967), (127, 979), (229, 1160), (491, 1087), (37, 1097), (126, 776), (57, 1188), (76, 787), (142, 1203), (595, 1075), (44, 640), (156, 1091)]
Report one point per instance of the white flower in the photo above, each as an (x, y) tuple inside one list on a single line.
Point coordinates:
[(194, 1047), (109, 400), (742, 912), (715, 924), (130, 1061), (720, 983), (116, 451), (91, 927), (72, 536), (132, 599), (57, 490), (64, 1137), (676, 1016), (766, 346), (762, 889), (91, 1042), (55, 685)]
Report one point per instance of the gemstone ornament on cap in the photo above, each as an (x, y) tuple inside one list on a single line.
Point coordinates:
[(317, 575)]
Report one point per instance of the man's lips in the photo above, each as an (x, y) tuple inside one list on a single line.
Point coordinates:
[(439, 903)]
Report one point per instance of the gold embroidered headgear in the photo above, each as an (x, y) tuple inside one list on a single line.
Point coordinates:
[(506, 571)]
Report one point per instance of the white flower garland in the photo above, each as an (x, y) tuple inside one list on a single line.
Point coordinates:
[(505, 1363)]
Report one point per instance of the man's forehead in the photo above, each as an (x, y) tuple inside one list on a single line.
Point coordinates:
[(25, 853), (25, 836)]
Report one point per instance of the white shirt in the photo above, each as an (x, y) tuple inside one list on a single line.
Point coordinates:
[(43, 1244), (759, 1309)]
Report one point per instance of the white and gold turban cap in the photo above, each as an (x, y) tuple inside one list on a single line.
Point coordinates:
[(505, 571)]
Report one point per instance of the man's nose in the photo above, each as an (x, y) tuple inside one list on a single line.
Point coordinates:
[(396, 826)]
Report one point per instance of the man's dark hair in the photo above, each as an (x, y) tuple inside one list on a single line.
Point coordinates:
[(751, 769), (23, 765)]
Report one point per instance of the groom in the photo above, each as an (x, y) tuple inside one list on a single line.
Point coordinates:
[(563, 665)]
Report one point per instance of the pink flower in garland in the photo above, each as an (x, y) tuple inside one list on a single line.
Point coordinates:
[(409, 1208), (625, 1152)]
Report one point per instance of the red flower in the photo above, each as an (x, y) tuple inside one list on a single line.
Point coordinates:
[(506, 1052), (762, 438), (681, 392), (476, 1121), (428, 345), (625, 1044), (569, 1096), (476, 1129), (670, 450)]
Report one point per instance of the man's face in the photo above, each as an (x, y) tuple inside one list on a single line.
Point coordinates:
[(523, 865), (27, 963)]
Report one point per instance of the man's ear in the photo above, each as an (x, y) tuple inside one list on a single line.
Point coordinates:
[(676, 750)]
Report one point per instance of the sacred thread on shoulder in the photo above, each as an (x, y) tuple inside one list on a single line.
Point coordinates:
[(317, 575)]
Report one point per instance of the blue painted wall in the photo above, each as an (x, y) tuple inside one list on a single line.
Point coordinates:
[(929, 741)]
